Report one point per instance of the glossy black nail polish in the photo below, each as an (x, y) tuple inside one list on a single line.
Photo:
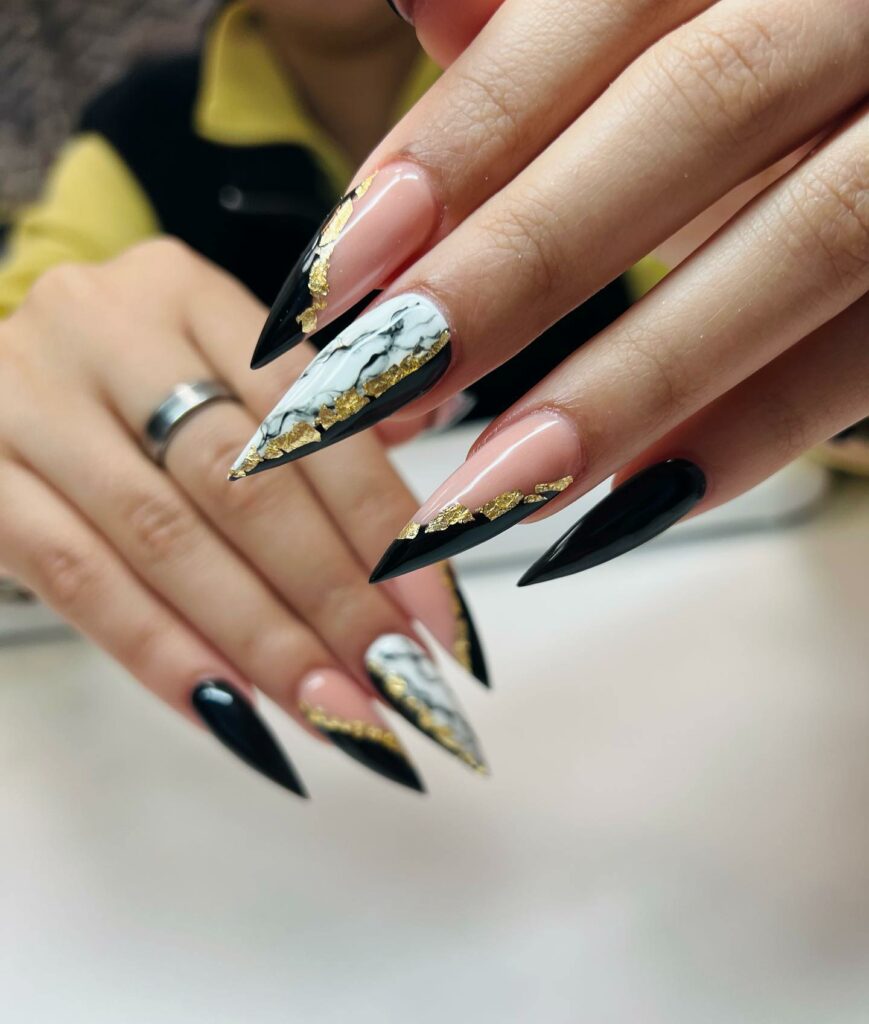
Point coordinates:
[(233, 720), (641, 508), (467, 649)]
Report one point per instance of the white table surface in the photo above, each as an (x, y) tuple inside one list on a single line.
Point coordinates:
[(677, 829)]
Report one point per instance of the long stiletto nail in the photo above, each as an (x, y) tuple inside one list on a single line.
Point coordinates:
[(409, 680), (387, 358), (233, 720), (514, 474), (641, 508), (433, 597), (338, 708), (402, 9), (374, 230)]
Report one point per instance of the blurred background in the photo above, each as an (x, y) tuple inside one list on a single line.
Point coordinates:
[(676, 831)]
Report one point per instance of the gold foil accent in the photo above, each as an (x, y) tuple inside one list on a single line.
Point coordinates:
[(532, 499), (320, 718), (462, 639), (410, 364), (410, 531), (396, 688), (496, 508), (297, 437), (251, 461), (452, 515), (318, 276), (557, 486)]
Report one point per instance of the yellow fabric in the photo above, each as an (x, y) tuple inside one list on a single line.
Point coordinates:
[(92, 209), (643, 276)]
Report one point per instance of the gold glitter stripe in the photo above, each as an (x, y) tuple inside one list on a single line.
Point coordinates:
[(318, 277), (462, 639), (397, 690), (320, 718), (458, 514)]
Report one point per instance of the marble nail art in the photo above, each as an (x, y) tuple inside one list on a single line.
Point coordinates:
[(384, 360), (410, 681)]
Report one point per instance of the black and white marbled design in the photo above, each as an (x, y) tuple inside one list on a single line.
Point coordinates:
[(407, 325), (395, 656)]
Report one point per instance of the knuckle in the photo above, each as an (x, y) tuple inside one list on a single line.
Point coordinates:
[(526, 232), (141, 645), (166, 254), (832, 201), (726, 73), (62, 285), (162, 524), (65, 575), (669, 391)]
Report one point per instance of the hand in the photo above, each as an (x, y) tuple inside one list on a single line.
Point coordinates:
[(567, 141), (201, 588)]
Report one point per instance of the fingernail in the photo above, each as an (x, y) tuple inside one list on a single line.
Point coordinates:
[(513, 475), (387, 358), (409, 680), (338, 708), (641, 508), (372, 232), (453, 411), (402, 9), (233, 720), (433, 597)]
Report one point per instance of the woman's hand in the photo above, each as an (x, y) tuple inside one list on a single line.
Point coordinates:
[(204, 589), (567, 141)]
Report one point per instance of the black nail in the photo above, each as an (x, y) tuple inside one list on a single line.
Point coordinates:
[(233, 720), (300, 307), (419, 545), (641, 508), (467, 649), (375, 747)]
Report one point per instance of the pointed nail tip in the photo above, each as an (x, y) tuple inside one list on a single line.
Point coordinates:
[(267, 353)]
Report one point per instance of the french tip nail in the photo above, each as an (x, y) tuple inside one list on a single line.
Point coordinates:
[(233, 720)]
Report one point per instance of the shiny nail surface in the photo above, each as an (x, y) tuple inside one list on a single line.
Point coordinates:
[(513, 475), (336, 706), (372, 232), (233, 720), (387, 358), (648, 503), (409, 680), (433, 597)]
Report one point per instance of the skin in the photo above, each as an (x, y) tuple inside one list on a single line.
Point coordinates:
[(674, 120)]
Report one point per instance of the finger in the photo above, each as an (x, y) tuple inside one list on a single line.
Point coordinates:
[(793, 260), (807, 395), (360, 490), (55, 553), (532, 70), (445, 27)]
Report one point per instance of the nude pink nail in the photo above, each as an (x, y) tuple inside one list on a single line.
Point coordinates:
[(337, 707), (372, 232), (516, 472)]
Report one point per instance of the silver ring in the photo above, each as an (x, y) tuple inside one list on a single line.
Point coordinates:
[(177, 408)]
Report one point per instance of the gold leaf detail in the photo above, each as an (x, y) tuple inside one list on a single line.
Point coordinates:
[(359, 730), (318, 276), (497, 507), (346, 405), (556, 487), (396, 689), (410, 531), (251, 461), (297, 437), (452, 515), (532, 499), (462, 640)]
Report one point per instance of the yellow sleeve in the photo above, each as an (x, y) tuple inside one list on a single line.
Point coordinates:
[(93, 208)]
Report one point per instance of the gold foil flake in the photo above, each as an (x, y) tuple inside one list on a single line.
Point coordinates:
[(397, 689), (300, 435), (346, 405), (250, 462), (556, 487), (410, 364), (532, 499), (359, 730), (452, 515), (497, 507), (462, 639), (410, 531), (318, 276)]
